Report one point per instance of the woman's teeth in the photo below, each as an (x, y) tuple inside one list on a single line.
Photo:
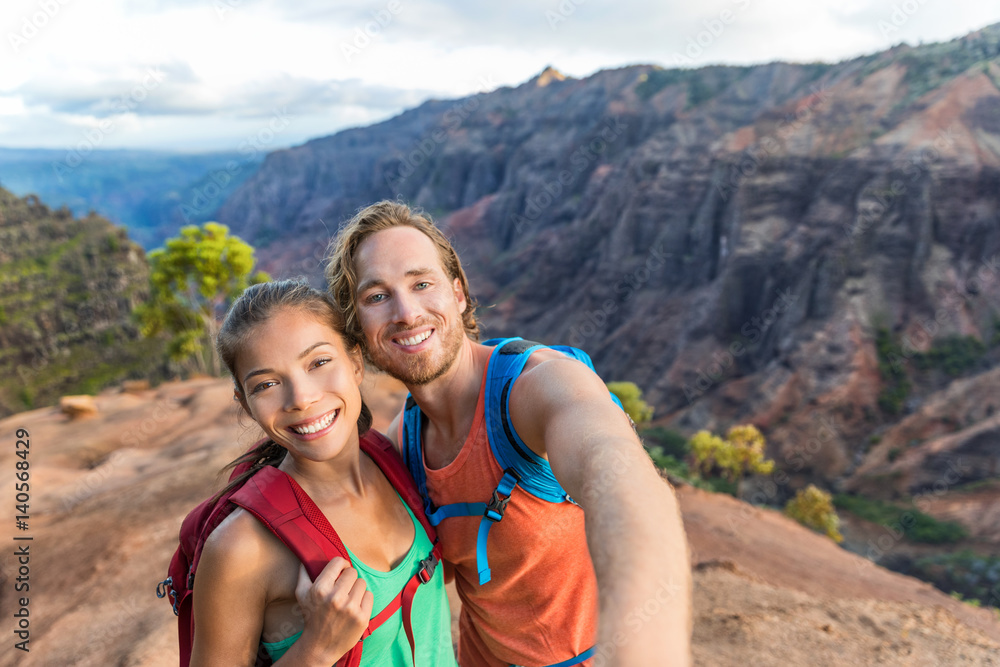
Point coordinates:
[(318, 425)]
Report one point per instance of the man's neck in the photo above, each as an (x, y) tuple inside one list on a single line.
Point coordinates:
[(449, 402)]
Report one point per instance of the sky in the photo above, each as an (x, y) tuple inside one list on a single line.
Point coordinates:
[(206, 75)]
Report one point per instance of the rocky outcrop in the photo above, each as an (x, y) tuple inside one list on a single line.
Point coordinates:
[(729, 238)]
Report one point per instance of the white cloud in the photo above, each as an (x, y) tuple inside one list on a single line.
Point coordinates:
[(227, 63)]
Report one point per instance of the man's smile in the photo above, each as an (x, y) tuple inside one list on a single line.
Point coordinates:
[(411, 339)]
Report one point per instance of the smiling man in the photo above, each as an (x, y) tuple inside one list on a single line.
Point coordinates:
[(571, 549)]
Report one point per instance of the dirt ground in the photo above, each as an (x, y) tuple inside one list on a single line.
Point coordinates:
[(108, 493)]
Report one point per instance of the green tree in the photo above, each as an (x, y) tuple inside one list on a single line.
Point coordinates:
[(631, 397), (741, 453), (813, 508), (192, 280)]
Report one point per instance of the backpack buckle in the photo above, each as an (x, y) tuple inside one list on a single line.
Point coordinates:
[(163, 587), (427, 567), (496, 507)]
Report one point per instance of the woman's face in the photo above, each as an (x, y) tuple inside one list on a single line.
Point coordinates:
[(301, 385)]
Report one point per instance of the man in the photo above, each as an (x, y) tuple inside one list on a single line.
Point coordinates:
[(611, 566)]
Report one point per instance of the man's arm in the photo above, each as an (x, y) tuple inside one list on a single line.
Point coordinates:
[(563, 411)]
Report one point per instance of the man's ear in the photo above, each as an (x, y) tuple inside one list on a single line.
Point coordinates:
[(456, 285)]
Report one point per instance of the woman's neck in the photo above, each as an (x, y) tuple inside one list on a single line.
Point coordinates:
[(346, 475)]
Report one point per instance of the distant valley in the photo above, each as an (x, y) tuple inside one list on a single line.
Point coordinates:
[(151, 193)]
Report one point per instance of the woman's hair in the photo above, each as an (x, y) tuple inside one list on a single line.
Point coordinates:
[(257, 305)]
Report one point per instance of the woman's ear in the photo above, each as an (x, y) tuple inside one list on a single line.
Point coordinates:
[(358, 360), (241, 398)]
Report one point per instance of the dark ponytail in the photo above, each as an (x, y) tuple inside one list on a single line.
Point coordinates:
[(256, 305)]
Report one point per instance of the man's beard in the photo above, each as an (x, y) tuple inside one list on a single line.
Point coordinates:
[(424, 368)]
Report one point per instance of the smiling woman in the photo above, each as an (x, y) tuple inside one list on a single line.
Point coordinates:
[(383, 602)]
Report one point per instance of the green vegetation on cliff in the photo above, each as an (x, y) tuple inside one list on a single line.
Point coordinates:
[(915, 525), (67, 290)]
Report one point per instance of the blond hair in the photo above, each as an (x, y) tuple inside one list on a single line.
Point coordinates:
[(342, 271)]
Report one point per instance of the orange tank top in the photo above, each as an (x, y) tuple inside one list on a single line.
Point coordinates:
[(540, 607)]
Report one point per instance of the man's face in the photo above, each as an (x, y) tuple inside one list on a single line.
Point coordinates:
[(409, 309)]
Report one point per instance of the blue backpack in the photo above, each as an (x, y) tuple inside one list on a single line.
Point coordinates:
[(521, 466)]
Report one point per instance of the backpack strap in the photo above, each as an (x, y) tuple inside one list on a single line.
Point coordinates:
[(278, 501), (521, 466), (413, 453), (506, 363)]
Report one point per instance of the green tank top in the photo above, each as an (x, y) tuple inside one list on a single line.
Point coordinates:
[(431, 615)]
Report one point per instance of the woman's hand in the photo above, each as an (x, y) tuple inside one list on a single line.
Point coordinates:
[(337, 608)]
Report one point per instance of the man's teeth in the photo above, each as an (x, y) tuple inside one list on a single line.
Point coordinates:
[(316, 425), (415, 340)]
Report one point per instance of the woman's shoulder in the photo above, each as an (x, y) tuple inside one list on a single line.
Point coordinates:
[(241, 548)]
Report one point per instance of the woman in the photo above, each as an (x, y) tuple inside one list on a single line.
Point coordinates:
[(298, 377)]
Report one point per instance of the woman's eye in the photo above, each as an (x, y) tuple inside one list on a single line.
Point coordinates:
[(322, 362), (262, 386)]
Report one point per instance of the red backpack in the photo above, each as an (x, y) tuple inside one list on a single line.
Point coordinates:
[(281, 505)]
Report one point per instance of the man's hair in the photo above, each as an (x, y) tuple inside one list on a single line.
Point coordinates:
[(342, 270)]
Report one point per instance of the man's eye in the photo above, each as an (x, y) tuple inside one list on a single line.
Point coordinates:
[(423, 285), (376, 298)]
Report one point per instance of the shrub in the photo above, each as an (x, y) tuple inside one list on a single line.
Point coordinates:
[(890, 366), (669, 463), (965, 575), (631, 397), (740, 453), (813, 508), (955, 355), (916, 526), (671, 442)]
